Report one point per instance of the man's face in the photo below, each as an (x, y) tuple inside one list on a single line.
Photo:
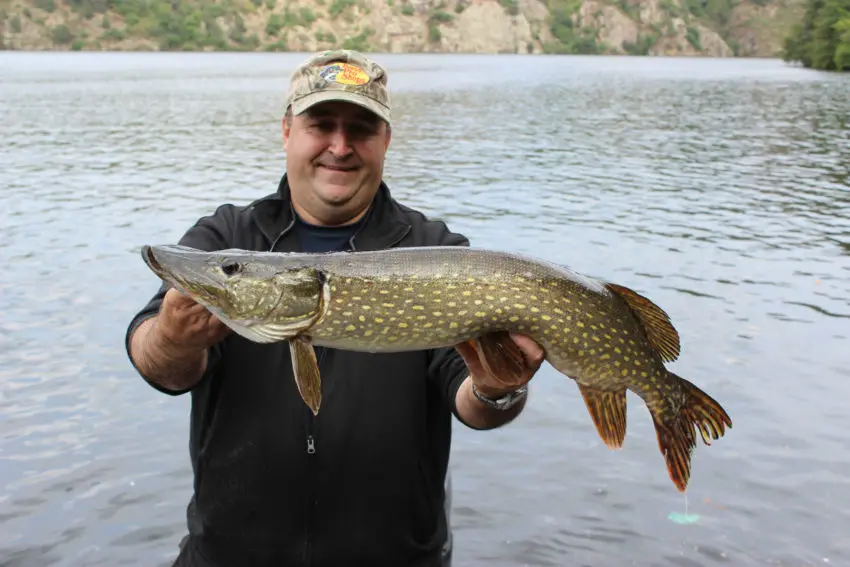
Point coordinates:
[(335, 159)]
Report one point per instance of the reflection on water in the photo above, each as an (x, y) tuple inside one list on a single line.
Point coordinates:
[(719, 188)]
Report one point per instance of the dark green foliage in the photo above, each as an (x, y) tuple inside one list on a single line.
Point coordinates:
[(692, 36), (642, 44), (511, 7), (359, 42), (822, 40), (61, 35), (572, 38)]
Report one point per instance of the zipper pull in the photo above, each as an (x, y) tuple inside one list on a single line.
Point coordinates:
[(311, 445)]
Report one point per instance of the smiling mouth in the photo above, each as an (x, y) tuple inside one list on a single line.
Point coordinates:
[(337, 168)]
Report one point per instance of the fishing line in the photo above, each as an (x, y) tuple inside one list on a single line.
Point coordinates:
[(685, 518)]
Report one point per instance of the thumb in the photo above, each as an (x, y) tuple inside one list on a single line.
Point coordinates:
[(469, 354)]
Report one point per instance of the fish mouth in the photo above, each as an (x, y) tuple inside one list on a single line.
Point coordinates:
[(180, 271), (150, 259)]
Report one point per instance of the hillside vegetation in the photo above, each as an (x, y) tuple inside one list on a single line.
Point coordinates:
[(650, 27), (822, 39)]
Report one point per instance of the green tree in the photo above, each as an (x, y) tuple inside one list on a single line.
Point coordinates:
[(822, 40)]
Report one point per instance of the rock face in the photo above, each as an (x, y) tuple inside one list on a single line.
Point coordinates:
[(644, 27)]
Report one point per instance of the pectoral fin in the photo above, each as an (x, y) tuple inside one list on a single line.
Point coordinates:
[(305, 368), (500, 356)]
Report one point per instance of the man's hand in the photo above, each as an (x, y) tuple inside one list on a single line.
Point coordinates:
[(184, 324), (494, 386), (527, 358), (170, 348)]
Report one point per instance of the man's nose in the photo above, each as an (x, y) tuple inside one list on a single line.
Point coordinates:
[(340, 145)]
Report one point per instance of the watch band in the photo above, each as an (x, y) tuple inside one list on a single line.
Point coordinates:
[(505, 402)]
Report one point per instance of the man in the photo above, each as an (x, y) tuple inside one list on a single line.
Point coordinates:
[(362, 483)]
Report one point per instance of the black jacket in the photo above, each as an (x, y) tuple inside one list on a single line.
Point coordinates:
[(360, 484)]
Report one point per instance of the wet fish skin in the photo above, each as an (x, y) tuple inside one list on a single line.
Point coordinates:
[(604, 336)]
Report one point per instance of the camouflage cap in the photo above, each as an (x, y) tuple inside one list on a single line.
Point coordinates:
[(339, 75)]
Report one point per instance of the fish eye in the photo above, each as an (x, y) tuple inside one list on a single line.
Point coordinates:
[(232, 268)]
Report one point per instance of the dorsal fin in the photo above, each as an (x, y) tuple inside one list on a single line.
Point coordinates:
[(660, 331)]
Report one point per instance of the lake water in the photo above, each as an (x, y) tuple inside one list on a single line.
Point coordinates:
[(719, 188)]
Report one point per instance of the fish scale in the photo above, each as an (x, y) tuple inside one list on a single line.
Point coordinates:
[(604, 336)]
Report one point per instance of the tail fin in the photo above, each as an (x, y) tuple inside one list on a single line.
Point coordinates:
[(676, 432)]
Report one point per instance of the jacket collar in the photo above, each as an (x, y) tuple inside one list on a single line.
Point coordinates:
[(383, 227)]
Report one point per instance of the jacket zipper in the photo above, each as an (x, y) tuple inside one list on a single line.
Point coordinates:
[(311, 476)]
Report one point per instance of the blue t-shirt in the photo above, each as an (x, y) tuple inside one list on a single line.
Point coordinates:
[(314, 238)]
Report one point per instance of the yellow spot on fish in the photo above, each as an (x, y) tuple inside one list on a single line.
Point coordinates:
[(388, 304), (545, 317), (519, 305), (480, 314), (453, 325), (403, 325), (379, 320), (362, 318), (367, 333), (467, 293), (350, 328)]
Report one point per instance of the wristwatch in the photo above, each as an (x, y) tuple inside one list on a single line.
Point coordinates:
[(507, 401)]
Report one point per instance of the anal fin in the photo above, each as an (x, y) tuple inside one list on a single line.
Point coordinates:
[(305, 368), (500, 356), (607, 408)]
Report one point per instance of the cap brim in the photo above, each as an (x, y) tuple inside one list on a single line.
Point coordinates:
[(312, 99)]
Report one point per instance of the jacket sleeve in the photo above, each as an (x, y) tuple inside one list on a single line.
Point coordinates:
[(213, 232), (446, 367)]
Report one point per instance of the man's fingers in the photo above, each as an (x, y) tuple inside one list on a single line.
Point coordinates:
[(533, 352), (469, 354)]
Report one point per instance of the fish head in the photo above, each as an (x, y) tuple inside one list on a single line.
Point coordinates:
[(257, 296)]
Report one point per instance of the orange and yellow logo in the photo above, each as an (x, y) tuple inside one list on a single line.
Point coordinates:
[(345, 74)]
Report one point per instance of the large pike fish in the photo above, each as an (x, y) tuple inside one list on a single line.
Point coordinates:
[(606, 337)]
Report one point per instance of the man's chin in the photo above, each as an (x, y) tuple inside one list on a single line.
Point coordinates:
[(337, 194)]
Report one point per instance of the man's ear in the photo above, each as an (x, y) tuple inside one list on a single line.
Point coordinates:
[(285, 128)]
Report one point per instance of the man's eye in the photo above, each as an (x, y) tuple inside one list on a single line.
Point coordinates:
[(362, 130)]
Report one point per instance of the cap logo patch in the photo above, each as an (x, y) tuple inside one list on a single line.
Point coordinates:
[(344, 74)]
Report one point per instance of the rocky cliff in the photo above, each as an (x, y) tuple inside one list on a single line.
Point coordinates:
[(718, 28)]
